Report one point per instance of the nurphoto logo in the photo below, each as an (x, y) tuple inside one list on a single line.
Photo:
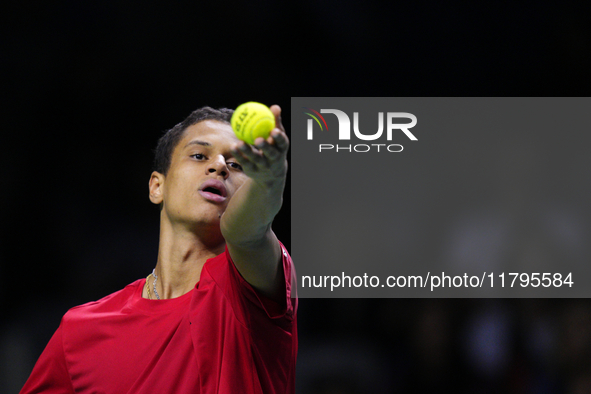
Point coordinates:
[(344, 132)]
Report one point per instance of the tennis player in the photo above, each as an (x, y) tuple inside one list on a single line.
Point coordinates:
[(217, 313)]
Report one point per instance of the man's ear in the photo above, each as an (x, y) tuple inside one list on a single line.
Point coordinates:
[(156, 186)]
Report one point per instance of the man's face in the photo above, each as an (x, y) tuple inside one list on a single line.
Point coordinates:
[(203, 175)]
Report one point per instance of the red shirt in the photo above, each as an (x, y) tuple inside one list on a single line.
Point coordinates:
[(221, 337)]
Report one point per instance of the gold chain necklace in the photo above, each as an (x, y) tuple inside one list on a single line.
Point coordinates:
[(148, 287)]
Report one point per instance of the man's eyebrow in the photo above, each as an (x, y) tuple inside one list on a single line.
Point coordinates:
[(197, 142)]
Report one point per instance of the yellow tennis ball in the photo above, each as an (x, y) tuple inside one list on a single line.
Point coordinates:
[(252, 120)]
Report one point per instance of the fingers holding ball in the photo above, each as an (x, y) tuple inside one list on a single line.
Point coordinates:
[(252, 120)]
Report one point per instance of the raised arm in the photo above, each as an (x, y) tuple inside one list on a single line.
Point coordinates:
[(246, 223)]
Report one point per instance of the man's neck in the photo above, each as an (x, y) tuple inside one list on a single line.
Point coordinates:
[(181, 256)]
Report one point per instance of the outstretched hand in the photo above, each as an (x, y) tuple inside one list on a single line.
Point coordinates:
[(265, 162), (246, 223)]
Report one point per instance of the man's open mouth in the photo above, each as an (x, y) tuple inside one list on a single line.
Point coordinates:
[(213, 190)]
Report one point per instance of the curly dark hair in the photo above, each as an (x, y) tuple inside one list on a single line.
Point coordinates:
[(170, 138)]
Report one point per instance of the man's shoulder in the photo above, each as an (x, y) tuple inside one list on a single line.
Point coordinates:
[(112, 303), (216, 265), (219, 265)]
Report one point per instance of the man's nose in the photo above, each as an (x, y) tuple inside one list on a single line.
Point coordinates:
[(218, 166)]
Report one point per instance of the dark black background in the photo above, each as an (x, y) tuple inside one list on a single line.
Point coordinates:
[(88, 87)]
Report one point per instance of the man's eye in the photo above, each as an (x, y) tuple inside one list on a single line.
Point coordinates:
[(198, 156), (234, 165)]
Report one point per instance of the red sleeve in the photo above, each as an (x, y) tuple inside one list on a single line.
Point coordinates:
[(274, 310), (50, 374)]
